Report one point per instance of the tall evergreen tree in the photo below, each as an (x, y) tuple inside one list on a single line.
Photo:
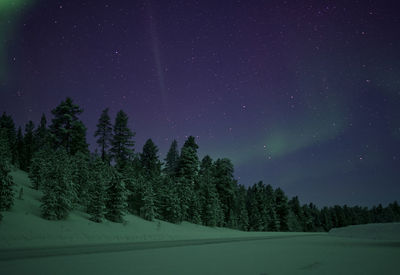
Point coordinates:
[(226, 186), (282, 209), (39, 165), (122, 142), (97, 196), (104, 134), (116, 197), (172, 160), (58, 192), (151, 165), (188, 172), (272, 218), (66, 128), (28, 145), (6, 185), (7, 124), (170, 203), (41, 135), (19, 150), (148, 209)]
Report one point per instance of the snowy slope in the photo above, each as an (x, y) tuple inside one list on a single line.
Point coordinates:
[(376, 231), (23, 226)]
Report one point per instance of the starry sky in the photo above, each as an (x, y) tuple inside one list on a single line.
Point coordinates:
[(304, 95)]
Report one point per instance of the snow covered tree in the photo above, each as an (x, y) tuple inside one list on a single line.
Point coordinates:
[(170, 208), (148, 209), (7, 124), (39, 165), (41, 135), (58, 192), (66, 129), (282, 209), (19, 149), (97, 196), (187, 172), (104, 134), (151, 165), (243, 217), (122, 141), (6, 185), (272, 218), (28, 145), (226, 186), (172, 160), (116, 196), (80, 176)]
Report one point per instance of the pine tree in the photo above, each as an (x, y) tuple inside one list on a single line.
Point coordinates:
[(7, 124), (6, 185), (41, 135), (28, 142), (272, 218), (243, 216), (5, 150), (172, 160), (122, 142), (148, 209), (80, 176), (188, 172), (149, 159), (282, 209), (58, 190), (104, 134), (97, 197), (19, 149), (40, 163), (66, 129), (116, 197), (226, 186)]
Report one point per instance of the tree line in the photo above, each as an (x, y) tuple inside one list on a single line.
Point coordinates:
[(116, 180)]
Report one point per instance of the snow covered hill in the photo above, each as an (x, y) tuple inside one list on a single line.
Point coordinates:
[(375, 231), (24, 227)]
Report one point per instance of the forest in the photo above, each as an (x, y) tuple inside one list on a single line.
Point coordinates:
[(115, 179)]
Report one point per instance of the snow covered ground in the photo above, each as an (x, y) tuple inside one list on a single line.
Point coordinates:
[(364, 249)]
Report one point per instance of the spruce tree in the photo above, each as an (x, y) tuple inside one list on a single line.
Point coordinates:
[(41, 135), (172, 160), (7, 124), (148, 209), (39, 165), (28, 145), (151, 165), (116, 196), (272, 218), (122, 142), (104, 134), (6, 185), (80, 176), (282, 209), (97, 197), (58, 192), (188, 172), (66, 129), (19, 150), (226, 185)]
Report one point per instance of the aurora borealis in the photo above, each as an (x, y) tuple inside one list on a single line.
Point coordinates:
[(304, 95)]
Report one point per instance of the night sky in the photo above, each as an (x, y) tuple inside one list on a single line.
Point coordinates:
[(304, 95)]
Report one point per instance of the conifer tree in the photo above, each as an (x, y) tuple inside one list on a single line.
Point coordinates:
[(122, 141), (7, 124), (66, 129), (225, 184), (41, 135), (272, 219), (188, 172), (170, 202), (58, 190), (243, 216), (28, 145), (19, 149), (97, 197), (39, 165), (6, 185), (151, 165), (282, 209), (172, 160), (148, 209), (80, 176), (116, 196), (104, 134)]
